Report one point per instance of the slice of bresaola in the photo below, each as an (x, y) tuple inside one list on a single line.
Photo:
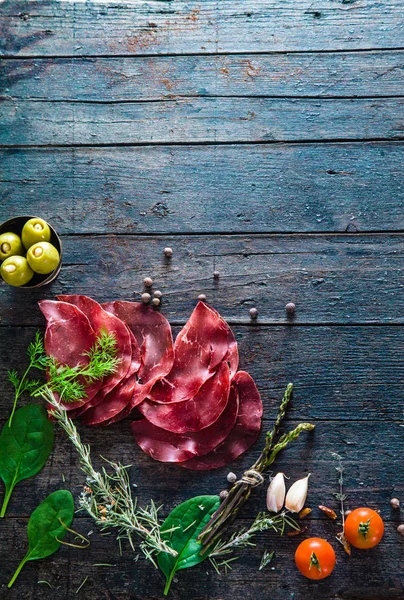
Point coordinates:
[(101, 320), (68, 337), (195, 414), (203, 343), (153, 335), (244, 433), (166, 446)]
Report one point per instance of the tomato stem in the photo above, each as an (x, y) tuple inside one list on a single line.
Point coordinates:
[(314, 562), (363, 528)]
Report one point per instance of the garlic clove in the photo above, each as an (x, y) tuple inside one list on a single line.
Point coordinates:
[(276, 493), (297, 494)]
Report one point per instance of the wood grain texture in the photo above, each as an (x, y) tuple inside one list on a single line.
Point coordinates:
[(123, 79), (201, 120), (344, 373), (186, 26), (287, 188), (335, 279), (352, 579)]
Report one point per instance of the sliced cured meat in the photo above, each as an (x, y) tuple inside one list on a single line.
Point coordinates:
[(112, 404), (101, 320), (244, 433), (153, 335), (199, 348), (68, 337), (166, 446), (195, 414)]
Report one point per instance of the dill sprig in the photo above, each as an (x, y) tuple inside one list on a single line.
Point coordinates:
[(241, 490), (221, 555), (37, 360), (107, 497), (69, 382)]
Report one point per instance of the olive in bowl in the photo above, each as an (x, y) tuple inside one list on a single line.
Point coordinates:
[(43, 258), (16, 271), (36, 230), (10, 245)]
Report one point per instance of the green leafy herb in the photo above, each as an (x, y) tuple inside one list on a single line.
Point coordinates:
[(181, 529), (47, 527), (69, 382), (24, 447), (37, 360)]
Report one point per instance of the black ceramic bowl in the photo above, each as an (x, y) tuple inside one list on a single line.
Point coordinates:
[(15, 225)]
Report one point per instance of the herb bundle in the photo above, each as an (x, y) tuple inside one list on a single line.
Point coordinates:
[(241, 490)]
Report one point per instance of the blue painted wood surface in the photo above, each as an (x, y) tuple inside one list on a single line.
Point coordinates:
[(257, 137)]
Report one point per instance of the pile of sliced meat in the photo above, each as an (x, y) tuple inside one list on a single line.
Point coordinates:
[(195, 407)]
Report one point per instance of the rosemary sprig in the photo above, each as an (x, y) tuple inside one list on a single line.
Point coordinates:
[(107, 497), (241, 490)]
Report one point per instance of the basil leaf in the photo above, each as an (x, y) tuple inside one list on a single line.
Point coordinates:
[(180, 530), (24, 447), (47, 527)]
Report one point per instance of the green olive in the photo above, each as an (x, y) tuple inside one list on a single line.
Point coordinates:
[(16, 271), (43, 258), (10, 245), (35, 230)]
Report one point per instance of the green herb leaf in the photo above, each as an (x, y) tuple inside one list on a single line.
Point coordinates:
[(47, 527), (180, 530), (24, 447)]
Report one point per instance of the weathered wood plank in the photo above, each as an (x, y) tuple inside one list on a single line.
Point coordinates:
[(184, 26), (66, 570), (335, 279), (153, 78), (372, 467), (346, 373), (200, 120), (288, 188)]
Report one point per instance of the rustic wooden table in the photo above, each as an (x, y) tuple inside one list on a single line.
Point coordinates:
[(259, 138)]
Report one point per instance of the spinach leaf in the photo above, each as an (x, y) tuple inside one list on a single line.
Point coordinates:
[(180, 530), (24, 447), (47, 527)]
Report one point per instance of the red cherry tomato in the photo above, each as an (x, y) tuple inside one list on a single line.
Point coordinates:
[(315, 558), (364, 528)]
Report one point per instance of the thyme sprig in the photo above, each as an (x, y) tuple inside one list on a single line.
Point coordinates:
[(221, 554), (341, 497), (107, 497), (241, 490)]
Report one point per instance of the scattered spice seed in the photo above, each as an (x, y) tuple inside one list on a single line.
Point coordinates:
[(304, 513), (231, 477), (331, 514), (148, 281), (202, 297), (168, 252), (297, 531), (253, 313), (290, 308), (400, 529), (157, 294), (347, 512), (146, 298), (395, 503), (216, 274), (223, 494), (156, 301)]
